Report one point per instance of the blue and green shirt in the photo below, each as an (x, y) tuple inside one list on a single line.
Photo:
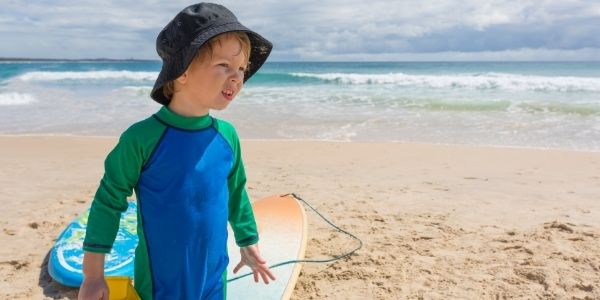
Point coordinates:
[(189, 181)]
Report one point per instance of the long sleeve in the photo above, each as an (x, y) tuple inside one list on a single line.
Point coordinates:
[(241, 216), (122, 169)]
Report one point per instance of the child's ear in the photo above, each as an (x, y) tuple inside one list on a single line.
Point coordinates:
[(183, 78)]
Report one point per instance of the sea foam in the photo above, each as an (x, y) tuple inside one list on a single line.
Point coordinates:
[(14, 98), (87, 75), (480, 81)]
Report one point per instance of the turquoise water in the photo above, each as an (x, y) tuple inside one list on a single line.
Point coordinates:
[(524, 104)]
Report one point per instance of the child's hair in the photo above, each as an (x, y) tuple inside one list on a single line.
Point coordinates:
[(207, 50)]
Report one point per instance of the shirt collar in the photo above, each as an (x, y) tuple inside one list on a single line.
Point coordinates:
[(188, 123)]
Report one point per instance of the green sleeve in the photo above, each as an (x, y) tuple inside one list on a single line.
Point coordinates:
[(241, 216), (122, 169)]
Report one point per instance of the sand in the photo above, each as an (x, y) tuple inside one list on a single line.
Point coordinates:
[(437, 221)]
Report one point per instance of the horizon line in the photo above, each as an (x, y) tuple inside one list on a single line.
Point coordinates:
[(4, 59)]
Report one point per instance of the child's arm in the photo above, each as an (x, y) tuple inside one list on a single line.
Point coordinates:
[(94, 286), (241, 216), (122, 169), (93, 264)]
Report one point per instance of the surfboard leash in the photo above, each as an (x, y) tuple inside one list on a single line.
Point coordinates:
[(312, 260)]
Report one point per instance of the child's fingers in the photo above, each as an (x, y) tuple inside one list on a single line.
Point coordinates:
[(238, 267), (264, 276), (265, 268), (267, 272), (270, 274), (255, 276)]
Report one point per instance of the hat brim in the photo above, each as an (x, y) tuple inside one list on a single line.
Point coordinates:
[(260, 48)]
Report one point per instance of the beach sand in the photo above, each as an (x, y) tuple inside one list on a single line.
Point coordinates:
[(437, 221)]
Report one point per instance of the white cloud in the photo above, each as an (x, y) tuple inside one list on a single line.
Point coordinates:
[(312, 29)]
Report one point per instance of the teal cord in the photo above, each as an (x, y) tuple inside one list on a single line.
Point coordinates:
[(311, 260)]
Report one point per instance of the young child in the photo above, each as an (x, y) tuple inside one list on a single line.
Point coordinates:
[(184, 166)]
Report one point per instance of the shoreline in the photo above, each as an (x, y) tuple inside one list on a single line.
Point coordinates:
[(323, 141), (437, 221)]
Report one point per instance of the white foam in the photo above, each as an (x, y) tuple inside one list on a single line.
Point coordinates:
[(13, 98), (87, 75), (136, 90), (471, 81)]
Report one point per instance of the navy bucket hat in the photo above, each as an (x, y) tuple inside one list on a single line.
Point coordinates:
[(178, 43)]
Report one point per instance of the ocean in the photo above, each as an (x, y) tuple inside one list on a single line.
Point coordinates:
[(512, 104)]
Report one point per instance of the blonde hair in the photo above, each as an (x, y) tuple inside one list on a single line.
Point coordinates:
[(207, 50)]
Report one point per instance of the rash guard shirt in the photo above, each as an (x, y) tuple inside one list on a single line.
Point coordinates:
[(189, 181)]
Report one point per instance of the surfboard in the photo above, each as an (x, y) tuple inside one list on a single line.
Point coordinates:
[(282, 228), (282, 231)]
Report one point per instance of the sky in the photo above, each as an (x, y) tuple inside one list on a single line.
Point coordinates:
[(318, 30)]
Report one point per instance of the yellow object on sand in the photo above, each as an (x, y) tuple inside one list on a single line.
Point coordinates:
[(121, 288)]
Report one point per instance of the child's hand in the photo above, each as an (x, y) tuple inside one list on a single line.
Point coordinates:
[(95, 289), (251, 258)]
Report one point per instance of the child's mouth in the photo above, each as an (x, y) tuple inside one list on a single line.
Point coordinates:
[(228, 94)]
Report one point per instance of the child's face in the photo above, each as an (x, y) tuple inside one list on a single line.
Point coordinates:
[(212, 83)]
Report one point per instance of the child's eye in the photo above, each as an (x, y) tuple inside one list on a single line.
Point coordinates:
[(224, 65)]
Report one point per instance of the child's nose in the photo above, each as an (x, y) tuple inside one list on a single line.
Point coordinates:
[(237, 77)]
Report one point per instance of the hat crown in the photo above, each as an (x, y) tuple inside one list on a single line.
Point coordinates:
[(188, 24)]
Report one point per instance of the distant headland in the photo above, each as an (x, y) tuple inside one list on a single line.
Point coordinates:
[(71, 59)]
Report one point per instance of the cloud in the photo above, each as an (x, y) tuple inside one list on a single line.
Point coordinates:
[(447, 26), (315, 30), (561, 35)]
